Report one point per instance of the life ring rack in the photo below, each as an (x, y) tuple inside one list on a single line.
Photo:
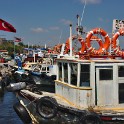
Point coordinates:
[(103, 46), (114, 45)]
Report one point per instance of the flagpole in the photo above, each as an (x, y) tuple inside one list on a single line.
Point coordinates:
[(14, 50), (28, 47)]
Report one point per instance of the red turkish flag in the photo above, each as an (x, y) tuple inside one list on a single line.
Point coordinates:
[(5, 26)]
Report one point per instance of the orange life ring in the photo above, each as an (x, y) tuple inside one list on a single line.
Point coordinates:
[(80, 39), (114, 46), (103, 46), (83, 46)]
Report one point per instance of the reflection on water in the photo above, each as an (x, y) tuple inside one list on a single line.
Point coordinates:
[(7, 113)]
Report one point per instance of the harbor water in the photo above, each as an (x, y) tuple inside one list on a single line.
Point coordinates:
[(7, 113)]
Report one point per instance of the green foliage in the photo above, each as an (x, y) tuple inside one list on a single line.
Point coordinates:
[(9, 46)]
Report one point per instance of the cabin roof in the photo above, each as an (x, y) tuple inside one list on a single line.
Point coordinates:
[(97, 60)]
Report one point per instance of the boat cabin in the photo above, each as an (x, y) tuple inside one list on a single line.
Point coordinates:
[(41, 68), (96, 84)]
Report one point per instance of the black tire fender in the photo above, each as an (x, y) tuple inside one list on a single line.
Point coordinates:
[(22, 113), (90, 117), (47, 107)]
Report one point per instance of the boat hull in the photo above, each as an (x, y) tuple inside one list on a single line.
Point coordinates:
[(45, 109)]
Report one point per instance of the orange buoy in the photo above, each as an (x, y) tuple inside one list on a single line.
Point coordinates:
[(114, 45), (103, 46)]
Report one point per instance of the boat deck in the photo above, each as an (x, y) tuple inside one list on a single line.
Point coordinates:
[(60, 100), (67, 104)]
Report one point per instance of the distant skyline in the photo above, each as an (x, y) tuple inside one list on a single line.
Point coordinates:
[(41, 22)]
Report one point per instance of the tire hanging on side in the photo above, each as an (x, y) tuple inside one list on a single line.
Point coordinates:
[(22, 113), (47, 107)]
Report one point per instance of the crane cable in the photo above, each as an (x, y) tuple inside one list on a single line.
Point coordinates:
[(83, 13)]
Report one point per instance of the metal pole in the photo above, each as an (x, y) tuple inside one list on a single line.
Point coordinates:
[(14, 50), (34, 55), (28, 48), (78, 24), (113, 31), (70, 39)]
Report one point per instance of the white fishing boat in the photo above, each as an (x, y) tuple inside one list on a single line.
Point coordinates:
[(45, 66), (42, 74), (89, 87)]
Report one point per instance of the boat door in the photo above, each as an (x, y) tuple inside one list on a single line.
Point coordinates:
[(104, 85)]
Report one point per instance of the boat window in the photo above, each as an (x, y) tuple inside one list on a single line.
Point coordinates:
[(73, 73), (36, 70), (106, 74), (121, 92), (60, 71), (85, 75), (47, 68), (33, 65), (43, 68), (65, 65), (121, 71), (39, 66)]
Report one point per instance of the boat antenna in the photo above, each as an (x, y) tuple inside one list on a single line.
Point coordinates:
[(83, 13)]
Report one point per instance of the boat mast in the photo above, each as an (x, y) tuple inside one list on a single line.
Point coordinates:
[(70, 39), (78, 18), (34, 54), (62, 49)]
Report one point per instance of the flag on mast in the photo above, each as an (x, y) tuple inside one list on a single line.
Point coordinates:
[(17, 39), (5, 26)]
